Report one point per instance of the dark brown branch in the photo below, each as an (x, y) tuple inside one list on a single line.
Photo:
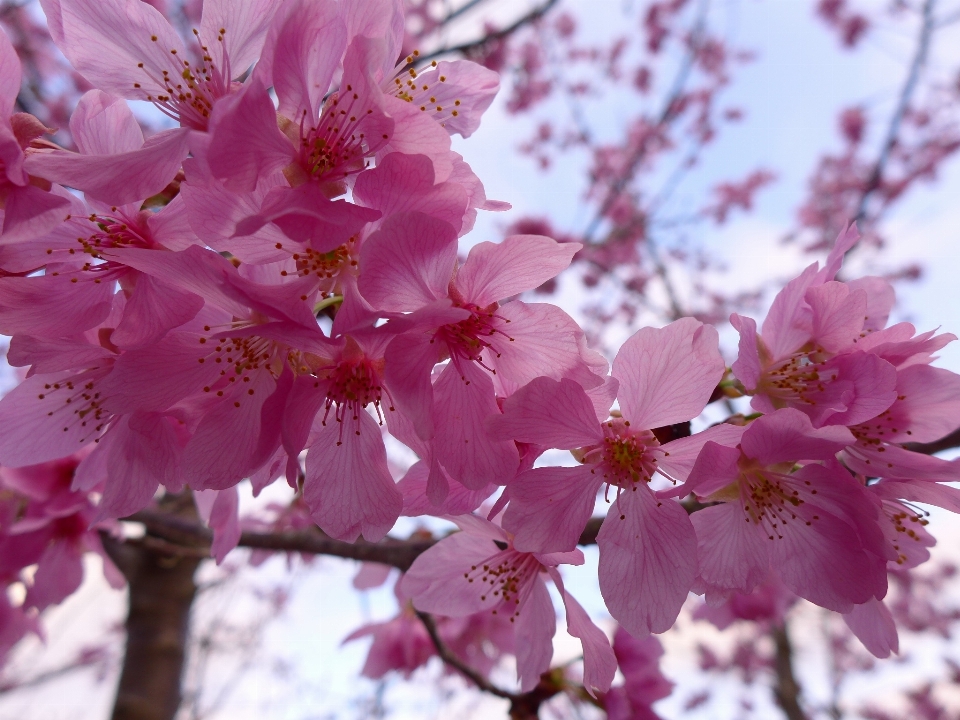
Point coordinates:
[(786, 690), (182, 531), (896, 120), (474, 45)]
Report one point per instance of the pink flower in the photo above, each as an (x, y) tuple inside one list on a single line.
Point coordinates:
[(824, 349), (647, 545), (767, 603), (127, 48), (409, 265), (480, 570), (815, 527), (643, 682)]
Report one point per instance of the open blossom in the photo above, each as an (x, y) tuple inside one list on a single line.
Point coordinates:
[(129, 49), (479, 569), (824, 348), (815, 527), (410, 266), (647, 544), (643, 682)]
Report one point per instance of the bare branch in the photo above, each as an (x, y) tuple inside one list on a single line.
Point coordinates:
[(667, 113), (503, 33), (896, 120)]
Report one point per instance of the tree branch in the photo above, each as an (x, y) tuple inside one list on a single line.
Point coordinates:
[(786, 690), (896, 120), (451, 659), (667, 113), (523, 706), (467, 47)]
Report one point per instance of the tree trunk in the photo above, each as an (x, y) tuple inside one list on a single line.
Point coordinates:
[(161, 590)]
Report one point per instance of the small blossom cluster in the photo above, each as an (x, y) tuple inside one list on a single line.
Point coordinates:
[(264, 290)]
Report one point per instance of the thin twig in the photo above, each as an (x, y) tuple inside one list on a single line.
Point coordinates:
[(467, 47), (667, 113), (451, 659), (896, 120)]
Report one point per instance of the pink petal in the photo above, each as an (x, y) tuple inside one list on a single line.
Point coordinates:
[(106, 41), (880, 300), (408, 263), (463, 404), (845, 241), (224, 446), (38, 423), (716, 466), (348, 486), (838, 315), (225, 523), (103, 124), (927, 406), (538, 339), (246, 23), (548, 413), (118, 179), (788, 436), (872, 623), (246, 145), (57, 355), (668, 374), (52, 305), (301, 53), (821, 559), (154, 378), (436, 583), (59, 574), (143, 452), (647, 561), (30, 212), (534, 627), (732, 557), (467, 86), (599, 662), (550, 506), (787, 325), (409, 360), (153, 309), (458, 501), (494, 271), (924, 491), (10, 74), (681, 455), (404, 183), (747, 368)]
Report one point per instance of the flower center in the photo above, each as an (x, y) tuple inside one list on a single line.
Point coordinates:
[(505, 575), (798, 379), (469, 339), (625, 457)]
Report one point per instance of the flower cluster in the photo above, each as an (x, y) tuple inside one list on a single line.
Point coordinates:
[(265, 290)]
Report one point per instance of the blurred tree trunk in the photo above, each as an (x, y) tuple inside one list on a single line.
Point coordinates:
[(161, 592)]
